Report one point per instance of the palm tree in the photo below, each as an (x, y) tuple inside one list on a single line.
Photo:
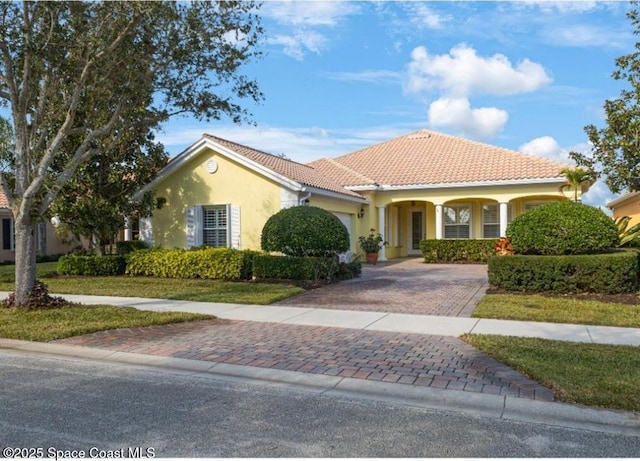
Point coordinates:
[(576, 177)]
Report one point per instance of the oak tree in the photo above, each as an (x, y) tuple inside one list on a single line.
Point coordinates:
[(76, 77)]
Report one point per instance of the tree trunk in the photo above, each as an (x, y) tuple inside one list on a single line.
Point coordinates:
[(25, 248)]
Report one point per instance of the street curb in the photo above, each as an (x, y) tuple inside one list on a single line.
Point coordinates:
[(495, 406)]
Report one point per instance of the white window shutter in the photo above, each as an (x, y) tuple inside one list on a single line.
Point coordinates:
[(194, 226), (146, 230), (233, 228)]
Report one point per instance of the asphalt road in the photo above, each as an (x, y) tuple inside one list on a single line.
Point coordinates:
[(59, 404)]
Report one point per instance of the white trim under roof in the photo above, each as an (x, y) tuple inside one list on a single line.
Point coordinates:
[(327, 193), (510, 182), (624, 198)]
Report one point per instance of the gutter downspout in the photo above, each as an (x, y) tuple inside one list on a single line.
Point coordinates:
[(304, 200)]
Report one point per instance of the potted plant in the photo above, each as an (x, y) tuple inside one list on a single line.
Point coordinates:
[(371, 245)]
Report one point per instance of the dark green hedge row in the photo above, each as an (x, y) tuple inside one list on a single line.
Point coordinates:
[(205, 263), (315, 269), (610, 273), (454, 250), (92, 265), (129, 246)]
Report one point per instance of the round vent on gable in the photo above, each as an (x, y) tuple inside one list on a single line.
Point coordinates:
[(212, 166)]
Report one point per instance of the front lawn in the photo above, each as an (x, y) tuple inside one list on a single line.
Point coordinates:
[(588, 374), (74, 320), (563, 309), (150, 287)]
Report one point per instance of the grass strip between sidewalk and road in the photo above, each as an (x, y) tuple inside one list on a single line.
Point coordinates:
[(75, 320), (538, 308), (588, 374), (215, 291)]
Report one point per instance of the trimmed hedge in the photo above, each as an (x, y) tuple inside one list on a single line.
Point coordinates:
[(458, 250), (562, 228), (313, 268), (92, 265), (129, 246), (205, 263), (609, 273)]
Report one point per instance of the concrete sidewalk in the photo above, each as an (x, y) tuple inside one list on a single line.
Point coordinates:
[(378, 321)]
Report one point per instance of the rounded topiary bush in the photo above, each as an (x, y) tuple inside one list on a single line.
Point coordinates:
[(562, 228), (304, 231)]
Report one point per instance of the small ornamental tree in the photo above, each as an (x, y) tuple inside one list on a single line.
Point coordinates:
[(304, 231), (562, 228)]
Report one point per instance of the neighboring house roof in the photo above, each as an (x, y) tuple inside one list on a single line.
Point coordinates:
[(4, 202), (428, 158), (623, 199), (295, 175)]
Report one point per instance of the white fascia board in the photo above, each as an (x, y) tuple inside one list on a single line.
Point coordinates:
[(204, 143), (516, 182), (622, 199), (327, 193)]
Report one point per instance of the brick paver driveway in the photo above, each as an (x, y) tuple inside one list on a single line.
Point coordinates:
[(404, 286)]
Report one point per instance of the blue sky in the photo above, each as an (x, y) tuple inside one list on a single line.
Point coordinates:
[(338, 76)]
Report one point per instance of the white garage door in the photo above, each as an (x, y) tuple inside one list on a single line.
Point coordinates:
[(345, 219)]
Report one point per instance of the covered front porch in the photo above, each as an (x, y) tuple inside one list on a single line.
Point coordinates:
[(404, 223)]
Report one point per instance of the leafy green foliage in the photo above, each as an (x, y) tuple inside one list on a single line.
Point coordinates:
[(611, 273), (615, 151), (576, 177), (205, 263), (92, 265), (562, 228), (371, 243), (304, 231), (629, 236), (129, 246), (454, 250)]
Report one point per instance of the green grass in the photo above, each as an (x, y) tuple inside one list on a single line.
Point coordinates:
[(74, 320), (539, 308), (588, 374), (151, 287)]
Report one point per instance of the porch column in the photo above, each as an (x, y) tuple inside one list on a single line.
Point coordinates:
[(128, 232), (382, 253), (438, 221), (504, 218)]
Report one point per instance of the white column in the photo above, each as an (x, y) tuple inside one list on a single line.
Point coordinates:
[(128, 232), (382, 253), (504, 218), (146, 230), (438, 222)]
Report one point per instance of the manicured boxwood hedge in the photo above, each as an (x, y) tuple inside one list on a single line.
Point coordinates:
[(455, 251), (205, 263), (609, 273), (308, 268), (92, 265)]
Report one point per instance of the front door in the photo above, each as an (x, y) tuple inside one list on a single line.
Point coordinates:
[(416, 231)]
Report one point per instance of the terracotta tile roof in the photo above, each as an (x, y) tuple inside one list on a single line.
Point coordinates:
[(4, 203), (428, 157), (303, 174)]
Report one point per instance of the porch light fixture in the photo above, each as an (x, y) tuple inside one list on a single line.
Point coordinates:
[(360, 213)]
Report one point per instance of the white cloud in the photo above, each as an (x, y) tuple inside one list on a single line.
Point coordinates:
[(308, 13), (367, 76), (422, 16), (301, 42), (552, 6), (299, 27), (457, 113), (463, 73), (583, 35), (547, 147)]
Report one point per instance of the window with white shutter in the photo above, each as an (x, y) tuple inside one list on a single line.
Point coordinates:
[(213, 225), (457, 221), (490, 220)]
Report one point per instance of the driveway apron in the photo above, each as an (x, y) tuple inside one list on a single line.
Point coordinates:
[(406, 286)]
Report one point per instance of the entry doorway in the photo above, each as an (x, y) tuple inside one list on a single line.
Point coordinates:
[(416, 231)]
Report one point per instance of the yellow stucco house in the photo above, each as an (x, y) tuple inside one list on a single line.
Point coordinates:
[(421, 185), (627, 205)]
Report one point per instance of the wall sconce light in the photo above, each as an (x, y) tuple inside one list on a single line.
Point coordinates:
[(360, 213)]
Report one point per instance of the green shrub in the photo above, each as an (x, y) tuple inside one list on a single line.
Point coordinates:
[(92, 265), (453, 250), (48, 258), (562, 228), (304, 231), (609, 273), (308, 268), (205, 263), (129, 246)]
